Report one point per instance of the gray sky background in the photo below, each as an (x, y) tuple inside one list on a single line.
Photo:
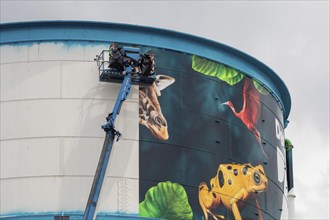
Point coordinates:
[(291, 37)]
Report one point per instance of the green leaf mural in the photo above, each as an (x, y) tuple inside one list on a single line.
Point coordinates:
[(224, 73), (166, 200), (210, 68), (260, 88)]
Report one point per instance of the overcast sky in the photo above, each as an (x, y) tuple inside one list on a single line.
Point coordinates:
[(291, 37)]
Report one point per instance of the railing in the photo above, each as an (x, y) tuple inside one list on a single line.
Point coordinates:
[(102, 61)]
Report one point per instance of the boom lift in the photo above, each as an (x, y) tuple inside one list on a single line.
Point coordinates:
[(127, 66)]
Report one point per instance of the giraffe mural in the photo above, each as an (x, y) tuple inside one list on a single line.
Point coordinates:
[(150, 112)]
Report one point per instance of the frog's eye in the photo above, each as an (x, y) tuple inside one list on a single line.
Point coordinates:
[(256, 178)]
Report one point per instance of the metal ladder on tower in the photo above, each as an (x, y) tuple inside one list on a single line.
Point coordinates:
[(128, 67)]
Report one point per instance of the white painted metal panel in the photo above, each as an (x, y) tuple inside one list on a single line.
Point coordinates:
[(80, 155), (61, 51), (30, 158), (119, 195), (123, 161), (19, 53), (94, 49), (50, 51), (64, 117), (47, 194), (52, 109), (30, 80)]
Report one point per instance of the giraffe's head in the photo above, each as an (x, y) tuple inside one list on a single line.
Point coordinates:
[(150, 112)]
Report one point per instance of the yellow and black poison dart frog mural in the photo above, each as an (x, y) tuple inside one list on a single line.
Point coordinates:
[(232, 185), (197, 115)]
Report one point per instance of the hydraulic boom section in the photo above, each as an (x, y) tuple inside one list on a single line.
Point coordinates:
[(127, 66)]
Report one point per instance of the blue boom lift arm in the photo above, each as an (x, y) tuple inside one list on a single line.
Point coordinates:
[(138, 69)]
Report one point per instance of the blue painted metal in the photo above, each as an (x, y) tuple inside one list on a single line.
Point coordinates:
[(111, 133), (96, 32)]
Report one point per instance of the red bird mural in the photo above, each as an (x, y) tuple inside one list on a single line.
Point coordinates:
[(250, 112)]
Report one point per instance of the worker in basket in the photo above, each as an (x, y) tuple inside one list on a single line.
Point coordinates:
[(147, 64), (116, 60)]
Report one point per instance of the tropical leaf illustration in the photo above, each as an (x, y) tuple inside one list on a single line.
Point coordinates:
[(260, 88), (167, 200), (210, 68)]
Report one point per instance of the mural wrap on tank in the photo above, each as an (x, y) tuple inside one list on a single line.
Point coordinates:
[(209, 143)]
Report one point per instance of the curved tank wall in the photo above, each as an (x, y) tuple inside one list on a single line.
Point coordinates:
[(210, 129), (52, 109)]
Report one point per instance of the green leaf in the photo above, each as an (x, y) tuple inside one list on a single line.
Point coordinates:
[(222, 72), (166, 200), (260, 88), (234, 79)]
